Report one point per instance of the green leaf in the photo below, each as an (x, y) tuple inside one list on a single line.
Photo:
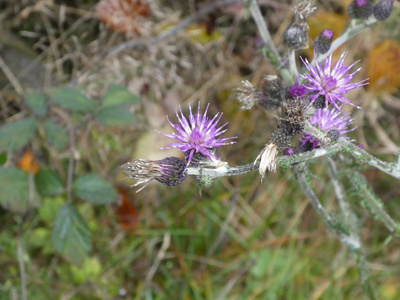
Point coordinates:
[(55, 134), (115, 116), (72, 99), (48, 209), (17, 134), (71, 236), (14, 187), (48, 183), (119, 95), (37, 101), (3, 158), (94, 189)]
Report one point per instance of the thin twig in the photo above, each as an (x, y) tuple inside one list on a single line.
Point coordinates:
[(11, 77), (231, 283), (71, 140), (22, 271), (160, 256), (224, 226), (264, 32)]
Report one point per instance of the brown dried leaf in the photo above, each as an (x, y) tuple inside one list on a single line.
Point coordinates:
[(384, 66)]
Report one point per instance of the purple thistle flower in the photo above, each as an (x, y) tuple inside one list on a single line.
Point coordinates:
[(327, 121), (330, 82), (198, 135)]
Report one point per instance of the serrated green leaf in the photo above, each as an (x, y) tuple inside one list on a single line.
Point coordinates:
[(17, 134), (71, 236), (37, 101), (119, 95), (55, 134), (72, 99), (115, 116), (94, 189), (48, 183), (14, 187)]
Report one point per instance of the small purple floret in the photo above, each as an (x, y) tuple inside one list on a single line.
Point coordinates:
[(197, 134), (297, 91), (331, 82)]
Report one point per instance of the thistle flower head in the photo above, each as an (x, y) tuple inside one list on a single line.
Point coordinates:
[(199, 134), (331, 82), (170, 171), (328, 121)]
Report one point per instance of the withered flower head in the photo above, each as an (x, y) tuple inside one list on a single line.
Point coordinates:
[(278, 141), (292, 123), (267, 159), (248, 95), (170, 171)]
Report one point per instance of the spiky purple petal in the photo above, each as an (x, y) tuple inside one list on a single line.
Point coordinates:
[(331, 82), (197, 134)]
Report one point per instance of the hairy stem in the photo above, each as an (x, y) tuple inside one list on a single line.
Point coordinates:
[(373, 202), (350, 221)]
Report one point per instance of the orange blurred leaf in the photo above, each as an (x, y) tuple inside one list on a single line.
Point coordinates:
[(28, 163), (125, 16), (384, 66), (126, 213)]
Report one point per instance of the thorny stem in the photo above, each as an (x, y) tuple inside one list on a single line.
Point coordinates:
[(348, 216), (350, 241), (373, 202), (350, 221), (342, 145)]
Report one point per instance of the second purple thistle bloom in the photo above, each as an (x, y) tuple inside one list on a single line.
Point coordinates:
[(330, 82), (198, 134)]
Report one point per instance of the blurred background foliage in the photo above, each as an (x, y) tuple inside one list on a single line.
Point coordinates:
[(68, 95)]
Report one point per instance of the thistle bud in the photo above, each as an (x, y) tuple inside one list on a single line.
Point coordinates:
[(170, 171), (360, 9), (322, 43), (295, 37), (383, 9)]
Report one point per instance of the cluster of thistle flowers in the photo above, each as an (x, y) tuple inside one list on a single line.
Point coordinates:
[(318, 96), (317, 100), (197, 137)]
